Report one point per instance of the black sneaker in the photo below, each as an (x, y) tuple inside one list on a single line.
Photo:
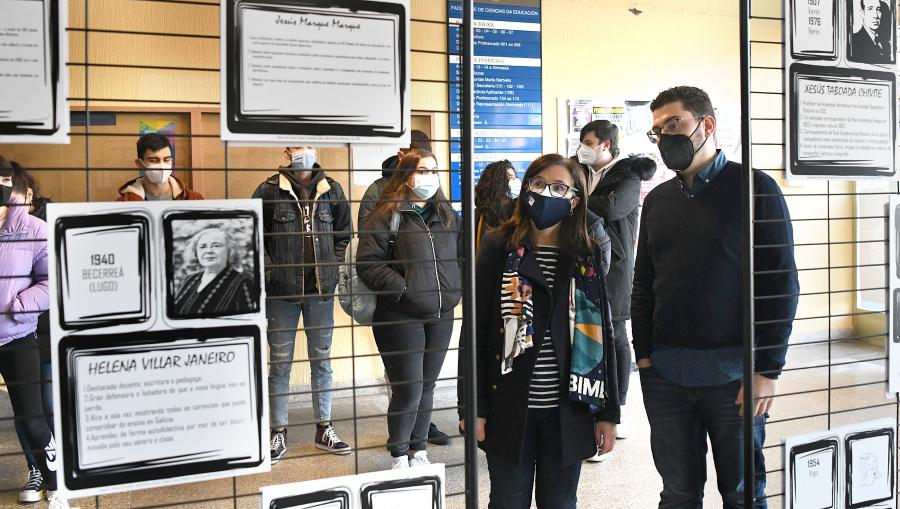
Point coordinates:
[(32, 491), (278, 445), (327, 439), (436, 436)]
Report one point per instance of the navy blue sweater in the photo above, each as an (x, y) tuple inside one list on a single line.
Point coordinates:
[(687, 281)]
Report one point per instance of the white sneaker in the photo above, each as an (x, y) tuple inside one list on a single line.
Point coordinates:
[(400, 463), (621, 430), (419, 459), (599, 458), (55, 501)]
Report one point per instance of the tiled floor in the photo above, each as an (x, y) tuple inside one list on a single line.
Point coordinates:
[(626, 481)]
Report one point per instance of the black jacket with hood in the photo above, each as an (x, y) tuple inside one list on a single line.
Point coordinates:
[(616, 199)]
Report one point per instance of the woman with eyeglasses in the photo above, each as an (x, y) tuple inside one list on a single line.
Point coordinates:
[(416, 273), (546, 369)]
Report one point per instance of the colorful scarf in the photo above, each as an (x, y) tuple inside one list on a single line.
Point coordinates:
[(587, 305), (516, 310)]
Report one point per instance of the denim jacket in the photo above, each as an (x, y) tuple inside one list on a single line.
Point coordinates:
[(282, 222)]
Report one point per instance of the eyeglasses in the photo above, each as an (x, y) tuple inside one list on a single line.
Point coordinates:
[(670, 127), (558, 190)]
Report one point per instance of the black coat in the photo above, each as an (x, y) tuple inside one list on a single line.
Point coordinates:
[(425, 278), (616, 199), (503, 399)]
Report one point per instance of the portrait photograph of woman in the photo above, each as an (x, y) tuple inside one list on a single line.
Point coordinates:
[(213, 267)]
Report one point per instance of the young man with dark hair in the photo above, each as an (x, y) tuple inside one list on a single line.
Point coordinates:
[(306, 219), (154, 158), (686, 306), (614, 190)]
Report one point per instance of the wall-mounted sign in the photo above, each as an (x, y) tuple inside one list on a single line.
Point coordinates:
[(157, 334), (840, 88), (335, 71), (33, 73), (508, 108)]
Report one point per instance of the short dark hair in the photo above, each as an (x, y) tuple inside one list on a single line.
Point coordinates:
[(152, 142), (694, 100), (418, 140), (605, 131)]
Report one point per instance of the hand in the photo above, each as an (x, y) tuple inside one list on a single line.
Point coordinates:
[(763, 394), (644, 363), (479, 428), (605, 436)]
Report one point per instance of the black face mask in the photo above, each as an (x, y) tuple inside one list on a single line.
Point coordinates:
[(5, 195), (546, 211), (677, 150)]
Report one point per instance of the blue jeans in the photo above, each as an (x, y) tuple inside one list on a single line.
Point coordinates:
[(556, 486), (318, 323), (680, 419), (47, 402)]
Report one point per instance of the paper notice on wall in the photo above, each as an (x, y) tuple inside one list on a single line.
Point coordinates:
[(33, 75), (161, 378)]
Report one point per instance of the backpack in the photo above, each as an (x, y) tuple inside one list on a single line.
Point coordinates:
[(360, 305)]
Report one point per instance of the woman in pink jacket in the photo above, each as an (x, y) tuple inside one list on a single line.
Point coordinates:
[(23, 296)]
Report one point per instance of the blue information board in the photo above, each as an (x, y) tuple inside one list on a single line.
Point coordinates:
[(507, 82)]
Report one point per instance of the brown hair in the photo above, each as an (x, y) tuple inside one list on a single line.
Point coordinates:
[(397, 192), (573, 234)]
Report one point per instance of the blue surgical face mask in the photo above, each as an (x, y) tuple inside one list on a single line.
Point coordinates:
[(546, 210), (303, 160)]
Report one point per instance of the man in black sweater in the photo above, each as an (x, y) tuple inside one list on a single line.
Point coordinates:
[(686, 305)]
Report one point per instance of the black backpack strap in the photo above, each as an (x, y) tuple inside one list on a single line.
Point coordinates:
[(395, 227)]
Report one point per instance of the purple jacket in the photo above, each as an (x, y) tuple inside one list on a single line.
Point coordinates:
[(23, 272)]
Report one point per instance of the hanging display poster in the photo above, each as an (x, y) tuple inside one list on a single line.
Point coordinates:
[(335, 71), (843, 468), (33, 73), (157, 343), (419, 487), (840, 88)]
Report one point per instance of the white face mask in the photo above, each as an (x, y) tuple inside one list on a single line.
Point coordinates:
[(515, 186), (158, 173), (426, 186), (586, 155)]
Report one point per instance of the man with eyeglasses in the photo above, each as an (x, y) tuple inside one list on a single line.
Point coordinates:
[(686, 306), (614, 191)]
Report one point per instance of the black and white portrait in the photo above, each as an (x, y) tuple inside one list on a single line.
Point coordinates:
[(213, 266), (872, 32)]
